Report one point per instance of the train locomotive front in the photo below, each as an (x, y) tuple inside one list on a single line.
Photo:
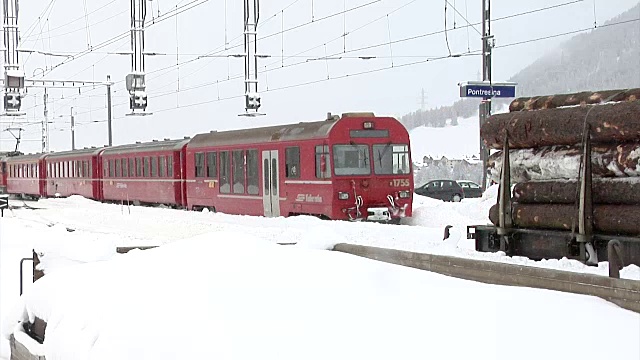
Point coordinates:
[(371, 168)]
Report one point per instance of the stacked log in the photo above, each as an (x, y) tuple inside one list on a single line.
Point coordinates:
[(545, 140), (583, 98)]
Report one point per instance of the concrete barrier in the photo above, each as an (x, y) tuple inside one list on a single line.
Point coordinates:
[(625, 293)]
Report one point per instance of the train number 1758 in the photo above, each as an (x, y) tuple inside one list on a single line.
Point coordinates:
[(399, 182)]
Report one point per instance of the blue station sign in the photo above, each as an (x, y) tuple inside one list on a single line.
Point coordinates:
[(484, 89)]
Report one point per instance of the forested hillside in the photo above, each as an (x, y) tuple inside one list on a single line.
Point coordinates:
[(607, 57)]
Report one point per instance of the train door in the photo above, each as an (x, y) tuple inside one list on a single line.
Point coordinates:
[(270, 187)]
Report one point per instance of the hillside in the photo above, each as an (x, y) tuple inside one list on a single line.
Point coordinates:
[(607, 57)]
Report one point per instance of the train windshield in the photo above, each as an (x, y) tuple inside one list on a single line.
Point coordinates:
[(351, 160), (391, 159)]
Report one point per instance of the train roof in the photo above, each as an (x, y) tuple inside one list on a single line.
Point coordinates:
[(73, 153), (165, 145), (27, 157), (300, 131)]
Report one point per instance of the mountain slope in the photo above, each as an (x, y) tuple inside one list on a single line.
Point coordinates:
[(607, 57)]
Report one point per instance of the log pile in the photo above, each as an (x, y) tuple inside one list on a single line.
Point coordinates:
[(545, 140)]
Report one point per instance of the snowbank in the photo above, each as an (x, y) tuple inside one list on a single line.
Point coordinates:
[(248, 299)]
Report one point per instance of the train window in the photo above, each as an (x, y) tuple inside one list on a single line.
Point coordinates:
[(390, 159), (212, 165), (322, 162), (274, 177), (225, 167), (265, 169), (369, 133), (162, 164), (132, 167), (118, 171), (85, 165), (199, 162), (154, 166), (351, 160), (125, 167), (138, 167), (252, 172), (112, 170), (238, 172), (146, 167), (292, 162), (170, 166)]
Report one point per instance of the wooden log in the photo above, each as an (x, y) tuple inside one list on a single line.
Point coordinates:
[(563, 162), (610, 123), (607, 219), (605, 191), (581, 98)]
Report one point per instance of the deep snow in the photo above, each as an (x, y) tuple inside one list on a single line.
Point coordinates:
[(249, 299), (99, 228)]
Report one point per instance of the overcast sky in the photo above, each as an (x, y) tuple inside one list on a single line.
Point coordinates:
[(205, 94)]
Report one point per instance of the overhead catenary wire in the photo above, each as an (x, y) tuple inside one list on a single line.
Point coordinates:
[(382, 44), (414, 63), (124, 35), (68, 23), (502, 46)]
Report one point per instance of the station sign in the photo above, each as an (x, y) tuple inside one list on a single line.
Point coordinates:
[(485, 89)]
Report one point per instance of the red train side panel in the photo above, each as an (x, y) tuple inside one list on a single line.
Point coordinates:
[(73, 173), (26, 175), (149, 173), (3, 175), (354, 168)]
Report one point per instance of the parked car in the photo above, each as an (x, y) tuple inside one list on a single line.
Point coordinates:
[(446, 190), (471, 189)]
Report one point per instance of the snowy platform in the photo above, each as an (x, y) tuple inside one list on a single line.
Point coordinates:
[(249, 299)]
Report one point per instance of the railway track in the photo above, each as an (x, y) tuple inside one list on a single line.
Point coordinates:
[(622, 292)]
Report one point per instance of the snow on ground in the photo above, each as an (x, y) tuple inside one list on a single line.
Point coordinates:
[(75, 230), (454, 142), (250, 299)]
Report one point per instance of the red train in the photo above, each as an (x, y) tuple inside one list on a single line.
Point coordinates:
[(354, 167)]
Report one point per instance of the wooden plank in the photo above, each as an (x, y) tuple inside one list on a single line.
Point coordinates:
[(625, 293)]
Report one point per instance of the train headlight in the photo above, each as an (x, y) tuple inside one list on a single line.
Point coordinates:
[(343, 196), (404, 194)]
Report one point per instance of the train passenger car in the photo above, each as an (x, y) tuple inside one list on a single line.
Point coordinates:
[(3, 174), (26, 175), (354, 167), (144, 173), (73, 173)]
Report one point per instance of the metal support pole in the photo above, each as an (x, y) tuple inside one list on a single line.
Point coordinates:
[(73, 131), (585, 206), (109, 109), (485, 106), (614, 254), (45, 124), (13, 74), (251, 17)]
